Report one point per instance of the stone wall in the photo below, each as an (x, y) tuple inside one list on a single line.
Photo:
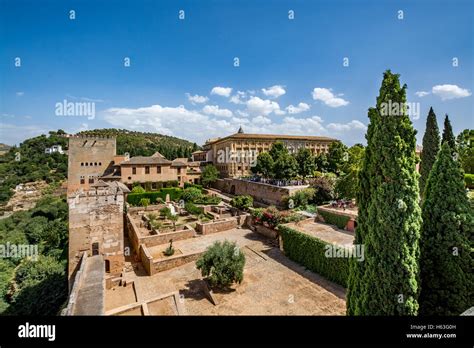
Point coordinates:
[(216, 226), (164, 238), (172, 262), (263, 193), (96, 216)]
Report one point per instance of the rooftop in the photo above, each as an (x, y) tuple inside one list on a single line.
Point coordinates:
[(270, 137)]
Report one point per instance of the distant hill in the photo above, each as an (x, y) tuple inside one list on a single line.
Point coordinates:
[(146, 144)]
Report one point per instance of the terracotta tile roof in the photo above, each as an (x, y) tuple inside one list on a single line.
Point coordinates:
[(272, 137), (146, 160)]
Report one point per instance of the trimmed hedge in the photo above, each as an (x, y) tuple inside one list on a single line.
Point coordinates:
[(310, 252), (469, 180), (174, 192), (334, 219), (188, 184)]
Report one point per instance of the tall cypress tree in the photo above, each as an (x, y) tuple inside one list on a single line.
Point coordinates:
[(387, 282), (448, 135), (430, 148), (447, 281)]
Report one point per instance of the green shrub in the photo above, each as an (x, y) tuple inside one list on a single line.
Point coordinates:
[(469, 180), (208, 200), (243, 202), (165, 212), (188, 184), (191, 194), (334, 219), (300, 198), (310, 252), (144, 202), (155, 196), (257, 213), (191, 208), (223, 264), (138, 189)]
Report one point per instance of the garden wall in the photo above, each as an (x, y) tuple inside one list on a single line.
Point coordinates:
[(216, 226), (172, 262), (263, 193)]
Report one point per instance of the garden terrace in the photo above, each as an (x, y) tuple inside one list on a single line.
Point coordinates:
[(343, 218), (325, 232)]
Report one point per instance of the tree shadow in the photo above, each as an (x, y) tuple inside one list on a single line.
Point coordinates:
[(278, 256)]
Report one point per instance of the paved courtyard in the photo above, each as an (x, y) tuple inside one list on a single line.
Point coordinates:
[(273, 284), (242, 237)]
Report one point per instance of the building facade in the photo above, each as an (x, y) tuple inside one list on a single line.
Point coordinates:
[(235, 154)]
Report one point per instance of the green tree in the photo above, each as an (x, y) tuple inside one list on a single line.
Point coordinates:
[(285, 167), (278, 149), (465, 145), (448, 135), (336, 157), (264, 165), (430, 148), (209, 175), (306, 163), (447, 281), (223, 264), (389, 220), (347, 183), (322, 163)]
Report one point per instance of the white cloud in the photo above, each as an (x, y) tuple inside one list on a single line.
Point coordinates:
[(446, 92), (222, 91), (261, 120), (421, 94), (200, 126), (214, 110), (258, 106), (274, 91), (237, 98), (242, 113), (20, 94), (327, 97), (345, 127), (197, 99), (301, 107)]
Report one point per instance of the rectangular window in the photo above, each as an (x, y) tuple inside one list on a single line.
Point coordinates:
[(158, 170), (134, 170), (83, 181), (91, 180), (147, 170), (179, 170)]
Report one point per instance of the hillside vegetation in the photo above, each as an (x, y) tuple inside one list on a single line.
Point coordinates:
[(146, 144)]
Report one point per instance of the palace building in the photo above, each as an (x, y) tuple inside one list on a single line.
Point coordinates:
[(234, 155)]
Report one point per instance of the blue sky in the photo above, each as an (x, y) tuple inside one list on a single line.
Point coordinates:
[(182, 80)]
